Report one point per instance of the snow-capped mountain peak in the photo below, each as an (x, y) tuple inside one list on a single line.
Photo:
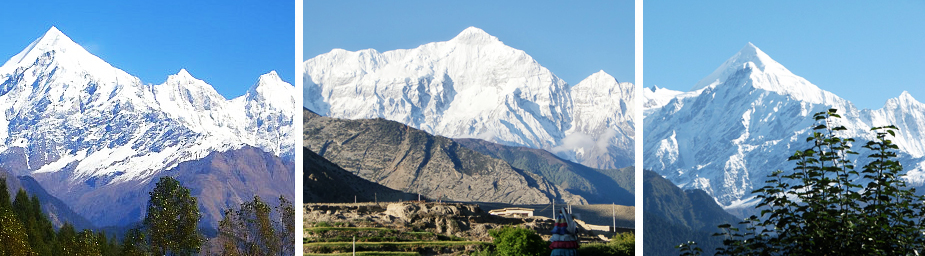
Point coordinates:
[(656, 97), (752, 68), (182, 77), (53, 39), (749, 56), (727, 136), (274, 91), (471, 86), (68, 111), (474, 35), (904, 99), (62, 49), (600, 76), (602, 122), (183, 80)]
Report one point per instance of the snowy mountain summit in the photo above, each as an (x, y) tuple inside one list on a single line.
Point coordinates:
[(741, 122), (475, 86), (78, 124)]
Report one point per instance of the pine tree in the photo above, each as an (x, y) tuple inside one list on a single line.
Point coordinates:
[(15, 240), (66, 241), (134, 243), (4, 195), (13, 235)]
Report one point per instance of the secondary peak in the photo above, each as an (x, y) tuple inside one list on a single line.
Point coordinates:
[(474, 35)]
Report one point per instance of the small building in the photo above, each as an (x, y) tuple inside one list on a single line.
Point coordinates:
[(513, 212)]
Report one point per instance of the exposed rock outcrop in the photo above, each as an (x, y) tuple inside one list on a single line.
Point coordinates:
[(410, 160)]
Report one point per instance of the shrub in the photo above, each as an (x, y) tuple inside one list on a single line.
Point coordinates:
[(517, 241)]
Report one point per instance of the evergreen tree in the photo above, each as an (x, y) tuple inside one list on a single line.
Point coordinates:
[(43, 230), (171, 219), (15, 240), (12, 234), (66, 241), (35, 223), (86, 243), (134, 243), (4, 195)]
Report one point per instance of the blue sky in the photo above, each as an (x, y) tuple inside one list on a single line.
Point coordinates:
[(229, 44), (863, 51), (571, 40)]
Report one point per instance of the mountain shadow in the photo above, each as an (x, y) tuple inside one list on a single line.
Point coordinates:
[(674, 216), (57, 211), (325, 182), (596, 185)]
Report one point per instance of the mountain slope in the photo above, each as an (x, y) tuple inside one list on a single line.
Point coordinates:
[(744, 120), (674, 216), (602, 130), (81, 127), (57, 211), (325, 182), (410, 160), (224, 180), (474, 86), (596, 185)]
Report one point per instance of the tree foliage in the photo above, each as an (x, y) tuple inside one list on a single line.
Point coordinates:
[(26, 230), (622, 244), (14, 237), (252, 230), (826, 206), (39, 229), (171, 219), (134, 243), (512, 240)]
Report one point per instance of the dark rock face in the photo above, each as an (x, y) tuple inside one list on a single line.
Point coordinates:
[(325, 182), (410, 160)]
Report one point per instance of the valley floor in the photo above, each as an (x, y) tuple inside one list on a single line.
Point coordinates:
[(428, 228)]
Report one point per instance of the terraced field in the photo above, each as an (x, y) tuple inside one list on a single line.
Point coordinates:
[(323, 239)]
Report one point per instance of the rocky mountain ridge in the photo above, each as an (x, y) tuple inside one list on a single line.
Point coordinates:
[(742, 122), (475, 86), (410, 160), (83, 128)]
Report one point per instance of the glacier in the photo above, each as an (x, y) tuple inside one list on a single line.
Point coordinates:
[(475, 86), (741, 122)]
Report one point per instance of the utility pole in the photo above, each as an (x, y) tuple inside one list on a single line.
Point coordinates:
[(376, 197), (354, 245), (613, 211)]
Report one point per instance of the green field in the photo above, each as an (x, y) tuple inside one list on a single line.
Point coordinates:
[(365, 254)]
